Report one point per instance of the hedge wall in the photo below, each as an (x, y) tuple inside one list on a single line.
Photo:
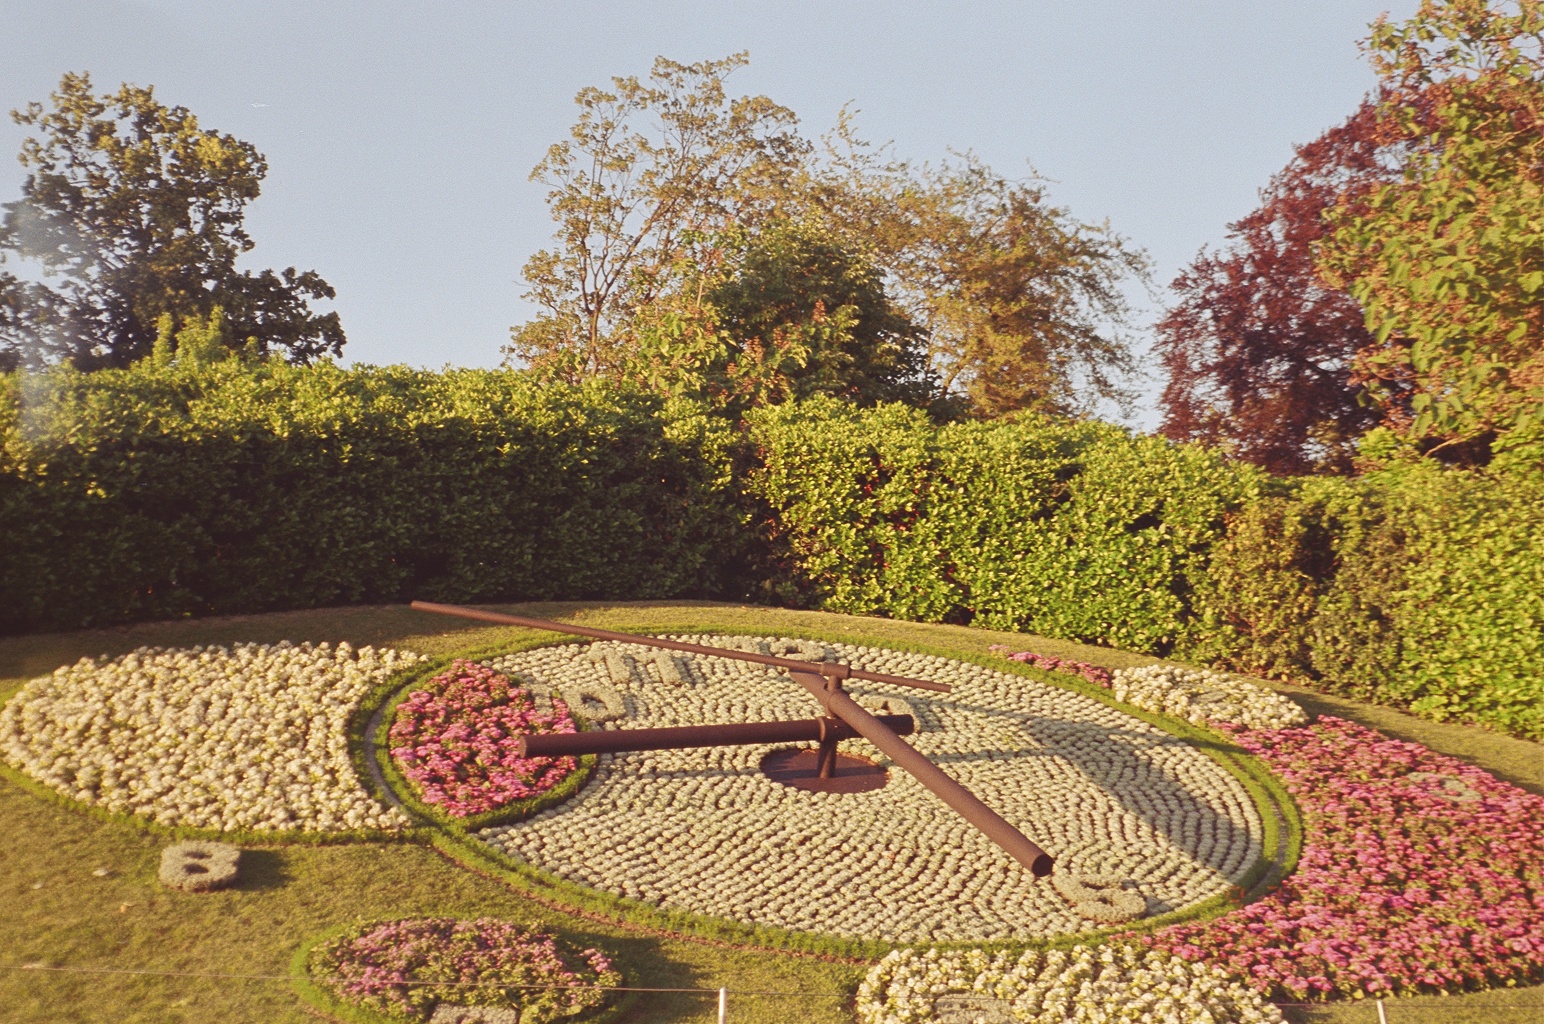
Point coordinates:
[(161, 492), (156, 493), (1416, 586)]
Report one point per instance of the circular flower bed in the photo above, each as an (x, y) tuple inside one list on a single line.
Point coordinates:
[(250, 737), (1084, 985), (1418, 872), (1140, 821), (406, 969), (457, 740)]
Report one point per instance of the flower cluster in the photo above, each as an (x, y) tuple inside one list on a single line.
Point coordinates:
[(1200, 696), (1095, 674), (1140, 821), (457, 740), (1419, 872), (250, 737), (406, 968), (1085, 985)]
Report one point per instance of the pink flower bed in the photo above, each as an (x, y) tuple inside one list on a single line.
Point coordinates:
[(1093, 673), (406, 968), (1418, 873), (458, 741)]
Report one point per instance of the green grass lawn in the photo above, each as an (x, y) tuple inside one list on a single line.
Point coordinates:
[(59, 913)]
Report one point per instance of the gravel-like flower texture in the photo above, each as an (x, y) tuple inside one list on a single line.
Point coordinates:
[(407, 968), (1085, 985), (1199, 696), (1139, 821), (249, 737)]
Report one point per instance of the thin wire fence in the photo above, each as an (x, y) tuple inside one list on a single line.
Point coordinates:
[(1382, 1011)]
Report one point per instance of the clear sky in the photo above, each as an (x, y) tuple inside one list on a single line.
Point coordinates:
[(399, 136)]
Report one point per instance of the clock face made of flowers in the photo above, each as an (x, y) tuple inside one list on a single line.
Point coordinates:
[(1140, 822), (255, 739)]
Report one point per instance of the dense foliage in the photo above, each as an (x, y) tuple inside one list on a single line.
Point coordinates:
[(193, 489), (135, 212), (951, 286), (1395, 269), (1448, 260), (1258, 350), (1417, 585)]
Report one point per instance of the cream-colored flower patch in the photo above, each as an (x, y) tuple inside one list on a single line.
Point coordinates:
[(250, 737), (1086, 985)]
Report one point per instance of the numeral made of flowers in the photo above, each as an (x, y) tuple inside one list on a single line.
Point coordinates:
[(1102, 898), (199, 866), (959, 1009), (595, 701), (1449, 788)]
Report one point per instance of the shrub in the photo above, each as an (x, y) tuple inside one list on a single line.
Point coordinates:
[(161, 492)]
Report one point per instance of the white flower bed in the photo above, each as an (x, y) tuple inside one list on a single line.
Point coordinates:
[(253, 737), (1199, 696), (1086, 985), (1139, 821)]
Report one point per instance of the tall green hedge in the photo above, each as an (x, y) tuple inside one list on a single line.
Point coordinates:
[(1416, 586), (160, 492), (163, 492), (1070, 529)]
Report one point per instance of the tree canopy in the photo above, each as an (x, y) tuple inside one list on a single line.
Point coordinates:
[(1447, 260), (1395, 271), (1258, 351), (134, 212), (852, 273)]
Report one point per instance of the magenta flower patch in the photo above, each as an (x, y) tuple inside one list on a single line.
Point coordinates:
[(1418, 873), (457, 740), (1093, 673), (407, 968)]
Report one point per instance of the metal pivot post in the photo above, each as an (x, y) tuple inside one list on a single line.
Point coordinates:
[(825, 760)]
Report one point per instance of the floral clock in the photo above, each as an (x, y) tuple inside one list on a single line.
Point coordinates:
[(1417, 872)]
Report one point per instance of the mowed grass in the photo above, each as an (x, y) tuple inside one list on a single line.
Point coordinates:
[(60, 914)]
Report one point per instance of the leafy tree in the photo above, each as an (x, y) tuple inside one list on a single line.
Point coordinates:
[(1258, 350), (136, 211), (629, 198), (963, 288), (1020, 305), (804, 282), (1448, 260)]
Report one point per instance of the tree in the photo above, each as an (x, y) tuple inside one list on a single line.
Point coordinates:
[(1448, 259), (137, 212), (630, 198), (1258, 350), (1021, 305), (801, 282), (963, 288)]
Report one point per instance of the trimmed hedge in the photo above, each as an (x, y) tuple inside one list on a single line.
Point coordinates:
[(1415, 586), (1069, 529), (153, 493)]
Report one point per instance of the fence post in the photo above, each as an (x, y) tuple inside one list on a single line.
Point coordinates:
[(723, 1005)]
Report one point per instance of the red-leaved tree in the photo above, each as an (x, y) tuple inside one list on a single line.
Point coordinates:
[(1258, 350)]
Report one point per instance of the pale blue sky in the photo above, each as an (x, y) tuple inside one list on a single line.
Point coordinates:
[(400, 136)]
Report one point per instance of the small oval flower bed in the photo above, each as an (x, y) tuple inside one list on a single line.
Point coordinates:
[(1084, 985), (1418, 873), (457, 741), (405, 969)]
